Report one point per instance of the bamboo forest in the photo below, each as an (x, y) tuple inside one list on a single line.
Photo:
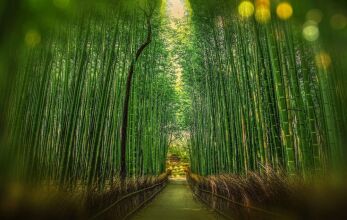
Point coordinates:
[(173, 109)]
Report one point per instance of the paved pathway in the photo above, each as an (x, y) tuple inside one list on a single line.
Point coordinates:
[(176, 202)]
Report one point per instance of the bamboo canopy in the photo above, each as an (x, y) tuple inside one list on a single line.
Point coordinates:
[(258, 98), (247, 85)]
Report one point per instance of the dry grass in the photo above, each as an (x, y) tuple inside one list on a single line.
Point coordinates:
[(272, 195), (24, 202)]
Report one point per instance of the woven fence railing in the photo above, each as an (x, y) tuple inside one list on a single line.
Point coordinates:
[(128, 204)]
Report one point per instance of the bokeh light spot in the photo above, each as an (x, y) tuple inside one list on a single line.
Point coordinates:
[(262, 14), (323, 60), (310, 31), (315, 15), (284, 11), (62, 4), (246, 9), (338, 21), (262, 3), (32, 38)]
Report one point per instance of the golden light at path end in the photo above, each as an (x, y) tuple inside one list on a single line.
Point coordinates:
[(246, 9), (284, 11)]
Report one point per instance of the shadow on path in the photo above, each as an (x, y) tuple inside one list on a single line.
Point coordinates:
[(175, 202)]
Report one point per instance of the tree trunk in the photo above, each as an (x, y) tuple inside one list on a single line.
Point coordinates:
[(123, 168)]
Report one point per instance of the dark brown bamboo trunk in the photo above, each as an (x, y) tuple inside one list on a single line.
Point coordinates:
[(123, 168)]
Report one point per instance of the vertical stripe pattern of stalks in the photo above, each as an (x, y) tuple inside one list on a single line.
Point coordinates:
[(259, 99), (66, 111)]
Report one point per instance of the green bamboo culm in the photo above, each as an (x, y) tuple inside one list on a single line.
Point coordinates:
[(259, 99), (66, 112)]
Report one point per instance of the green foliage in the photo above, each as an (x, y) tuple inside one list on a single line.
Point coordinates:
[(258, 97), (67, 105), (252, 94)]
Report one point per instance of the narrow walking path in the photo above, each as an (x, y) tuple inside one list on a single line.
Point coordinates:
[(176, 202)]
